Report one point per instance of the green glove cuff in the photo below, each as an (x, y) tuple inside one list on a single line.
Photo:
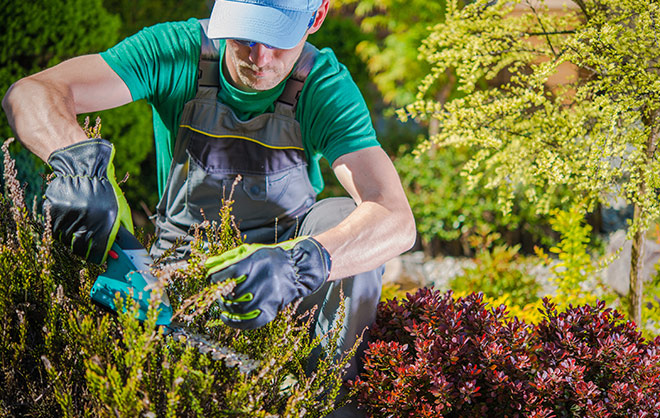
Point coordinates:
[(123, 210), (226, 259)]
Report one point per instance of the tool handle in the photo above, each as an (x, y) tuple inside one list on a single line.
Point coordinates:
[(127, 241)]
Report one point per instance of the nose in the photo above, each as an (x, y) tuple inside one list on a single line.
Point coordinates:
[(260, 55)]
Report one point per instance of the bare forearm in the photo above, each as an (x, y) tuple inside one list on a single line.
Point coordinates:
[(42, 108), (42, 115), (381, 227), (369, 237)]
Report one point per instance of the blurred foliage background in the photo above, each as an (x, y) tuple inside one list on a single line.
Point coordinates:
[(378, 42)]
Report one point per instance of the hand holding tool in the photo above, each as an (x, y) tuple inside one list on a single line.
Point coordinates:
[(129, 274), (85, 202)]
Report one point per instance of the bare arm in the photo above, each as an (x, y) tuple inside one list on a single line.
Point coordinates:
[(381, 227), (42, 108)]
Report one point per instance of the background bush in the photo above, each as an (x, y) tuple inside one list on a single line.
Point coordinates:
[(436, 356), (498, 272), (40, 34), (449, 209)]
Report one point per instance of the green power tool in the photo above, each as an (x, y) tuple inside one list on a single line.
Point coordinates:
[(129, 274)]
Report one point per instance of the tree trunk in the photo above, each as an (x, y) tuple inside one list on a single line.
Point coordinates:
[(636, 293)]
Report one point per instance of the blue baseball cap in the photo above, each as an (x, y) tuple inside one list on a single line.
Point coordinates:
[(278, 23)]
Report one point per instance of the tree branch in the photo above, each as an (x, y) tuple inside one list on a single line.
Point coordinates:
[(558, 32), (547, 36), (582, 7)]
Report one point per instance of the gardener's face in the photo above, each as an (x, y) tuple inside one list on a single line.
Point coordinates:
[(258, 67)]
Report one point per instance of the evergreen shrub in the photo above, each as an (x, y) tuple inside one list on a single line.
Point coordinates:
[(61, 356), (500, 271), (450, 209), (433, 355), (38, 35)]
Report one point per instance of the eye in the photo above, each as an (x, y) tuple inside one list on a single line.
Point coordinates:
[(251, 44)]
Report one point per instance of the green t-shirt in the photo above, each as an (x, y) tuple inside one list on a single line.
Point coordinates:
[(159, 64)]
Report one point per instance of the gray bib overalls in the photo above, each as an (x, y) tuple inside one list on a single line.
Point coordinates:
[(274, 200), (213, 147)]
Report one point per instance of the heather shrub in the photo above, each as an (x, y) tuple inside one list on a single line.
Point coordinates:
[(434, 355), (62, 356)]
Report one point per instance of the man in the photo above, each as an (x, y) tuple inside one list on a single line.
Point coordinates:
[(240, 94)]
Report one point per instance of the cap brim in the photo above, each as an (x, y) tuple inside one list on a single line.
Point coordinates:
[(278, 28)]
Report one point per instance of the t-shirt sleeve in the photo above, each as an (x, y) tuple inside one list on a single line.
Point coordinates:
[(155, 62), (336, 117)]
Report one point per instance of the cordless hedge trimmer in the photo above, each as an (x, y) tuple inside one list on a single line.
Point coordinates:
[(129, 274)]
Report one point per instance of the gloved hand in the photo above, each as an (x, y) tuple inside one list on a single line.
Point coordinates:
[(86, 204), (269, 277)]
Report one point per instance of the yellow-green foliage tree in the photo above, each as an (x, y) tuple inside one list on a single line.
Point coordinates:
[(596, 133)]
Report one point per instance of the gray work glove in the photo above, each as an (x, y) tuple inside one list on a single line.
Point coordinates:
[(269, 277), (86, 205)]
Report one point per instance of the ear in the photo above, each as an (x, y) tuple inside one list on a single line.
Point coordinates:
[(321, 13)]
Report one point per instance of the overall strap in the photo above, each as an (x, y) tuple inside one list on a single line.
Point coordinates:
[(296, 81), (209, 69)]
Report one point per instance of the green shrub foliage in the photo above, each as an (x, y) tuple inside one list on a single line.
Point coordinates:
[(62, 356), (498, 272), (41, 34), (449, 207), (432, 355)]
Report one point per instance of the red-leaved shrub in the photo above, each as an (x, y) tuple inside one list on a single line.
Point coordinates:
[(435, 356)]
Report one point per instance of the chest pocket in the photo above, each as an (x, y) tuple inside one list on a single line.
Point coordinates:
[(265, 152)]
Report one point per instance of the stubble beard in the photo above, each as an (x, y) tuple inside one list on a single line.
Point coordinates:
[(247, 74)]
